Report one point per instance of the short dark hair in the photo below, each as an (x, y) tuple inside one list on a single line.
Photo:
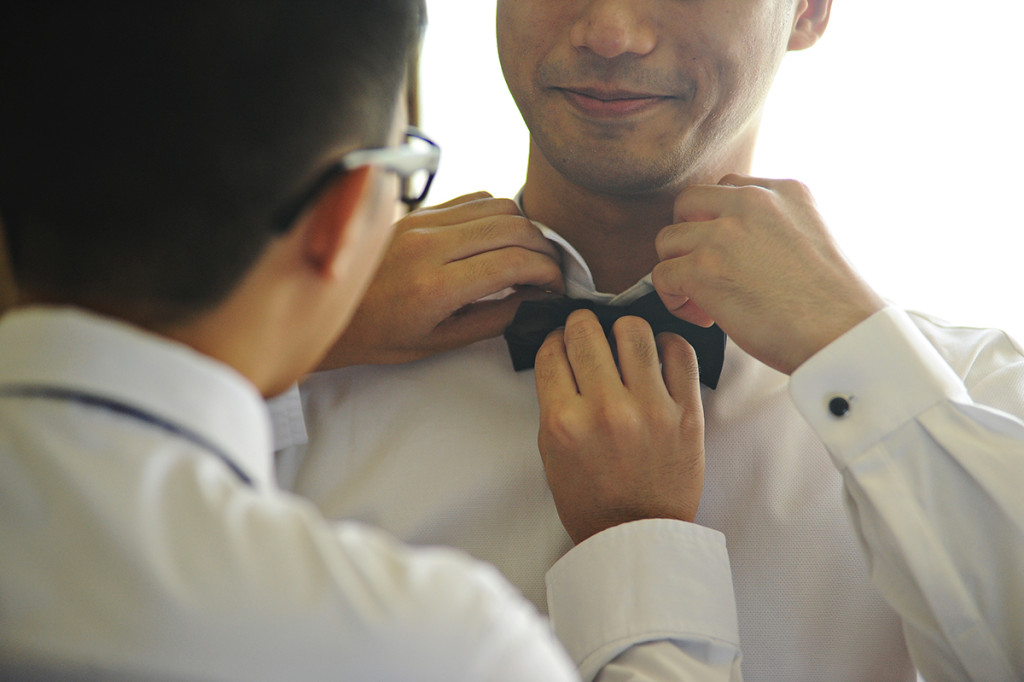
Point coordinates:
[(145, 145)]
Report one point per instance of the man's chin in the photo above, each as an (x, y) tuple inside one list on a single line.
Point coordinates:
[(617, 176)]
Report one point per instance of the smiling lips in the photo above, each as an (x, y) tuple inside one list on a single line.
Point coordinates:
[(611, 103)]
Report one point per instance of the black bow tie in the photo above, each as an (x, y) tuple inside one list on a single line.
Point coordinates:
[(534, 320)]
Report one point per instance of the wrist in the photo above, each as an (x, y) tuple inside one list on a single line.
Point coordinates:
[(837, 324)]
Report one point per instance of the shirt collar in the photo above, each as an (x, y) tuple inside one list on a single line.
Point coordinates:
[(74, 350), (579, 282)]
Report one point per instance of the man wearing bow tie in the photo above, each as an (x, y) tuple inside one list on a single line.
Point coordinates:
[(863, 464)]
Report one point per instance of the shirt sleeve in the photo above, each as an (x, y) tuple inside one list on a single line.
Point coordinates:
[(933, 482), (648, 600)]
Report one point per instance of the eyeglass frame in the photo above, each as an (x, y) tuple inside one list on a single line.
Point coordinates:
[(403, 160)]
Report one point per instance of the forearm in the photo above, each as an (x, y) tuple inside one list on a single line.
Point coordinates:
[(933, 482)]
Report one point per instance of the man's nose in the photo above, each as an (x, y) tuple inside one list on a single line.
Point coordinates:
[(611, 28)]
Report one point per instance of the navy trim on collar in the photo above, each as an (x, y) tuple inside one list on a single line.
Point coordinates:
[(51, 393)]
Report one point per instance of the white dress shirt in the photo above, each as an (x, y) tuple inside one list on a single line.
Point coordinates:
[(929, 458), (143, 536)]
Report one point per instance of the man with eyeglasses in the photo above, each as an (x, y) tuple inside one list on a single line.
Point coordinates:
[(863, 464), (195, 195)]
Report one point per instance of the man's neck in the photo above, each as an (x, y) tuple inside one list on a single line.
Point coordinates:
[(615, 233)]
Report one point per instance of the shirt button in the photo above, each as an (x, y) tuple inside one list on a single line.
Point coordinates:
[(839, 406)]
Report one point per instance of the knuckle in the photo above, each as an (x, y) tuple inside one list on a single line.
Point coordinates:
[(423, 287), (692, 371), (684, 350), (420, 218), (676, 352), (684, 197), (664, 239), (415, 243), (794, 188), (547, 271), (663, 417), (524, 232), (504, 206), (504, 225), (616, 419), (754, 196), (562, 425), (479, 195), (707, 261), (517, 259), (677, 349), (631, 325), (635, 333), (669, 279), (691, 421), (582, 325), (489, 228), (547, 354), (512, 264)]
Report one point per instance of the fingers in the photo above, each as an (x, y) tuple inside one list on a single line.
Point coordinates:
[(468, 249), (738, 180), (590, 355), (703, 203), (581, 352), (712, 222), (481, 319), (771, 184), (700, 203), (491, 246), (638, 357), (755, 254), (577, 361), (615, 453), (674, 280), (484, 223), (462, 208), (654, 369), (465, 198), (468, 208), (454, 287), (494, 271), (693, 313), (466, 211), (442, 282), (556, 383), (679, 369), (498, 231)]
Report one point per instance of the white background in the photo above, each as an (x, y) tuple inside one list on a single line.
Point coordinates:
[(905, 121)]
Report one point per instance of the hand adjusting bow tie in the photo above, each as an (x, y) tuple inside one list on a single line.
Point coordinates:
[(534, 320)]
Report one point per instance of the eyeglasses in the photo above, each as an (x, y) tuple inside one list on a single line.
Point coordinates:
[(415, 162)]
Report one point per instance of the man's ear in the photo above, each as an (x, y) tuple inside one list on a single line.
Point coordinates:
[(809, 26), (327, 233)]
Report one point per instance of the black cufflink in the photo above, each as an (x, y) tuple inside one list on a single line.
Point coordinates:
[(839, 406)]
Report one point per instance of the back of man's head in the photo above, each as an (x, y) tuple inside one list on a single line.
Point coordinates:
[(145, 146)]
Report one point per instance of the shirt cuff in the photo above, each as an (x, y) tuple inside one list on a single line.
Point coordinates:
[(870, 381), (638, 582), (286, 419)]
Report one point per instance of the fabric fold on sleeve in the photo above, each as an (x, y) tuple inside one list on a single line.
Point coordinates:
[(645, 581)]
